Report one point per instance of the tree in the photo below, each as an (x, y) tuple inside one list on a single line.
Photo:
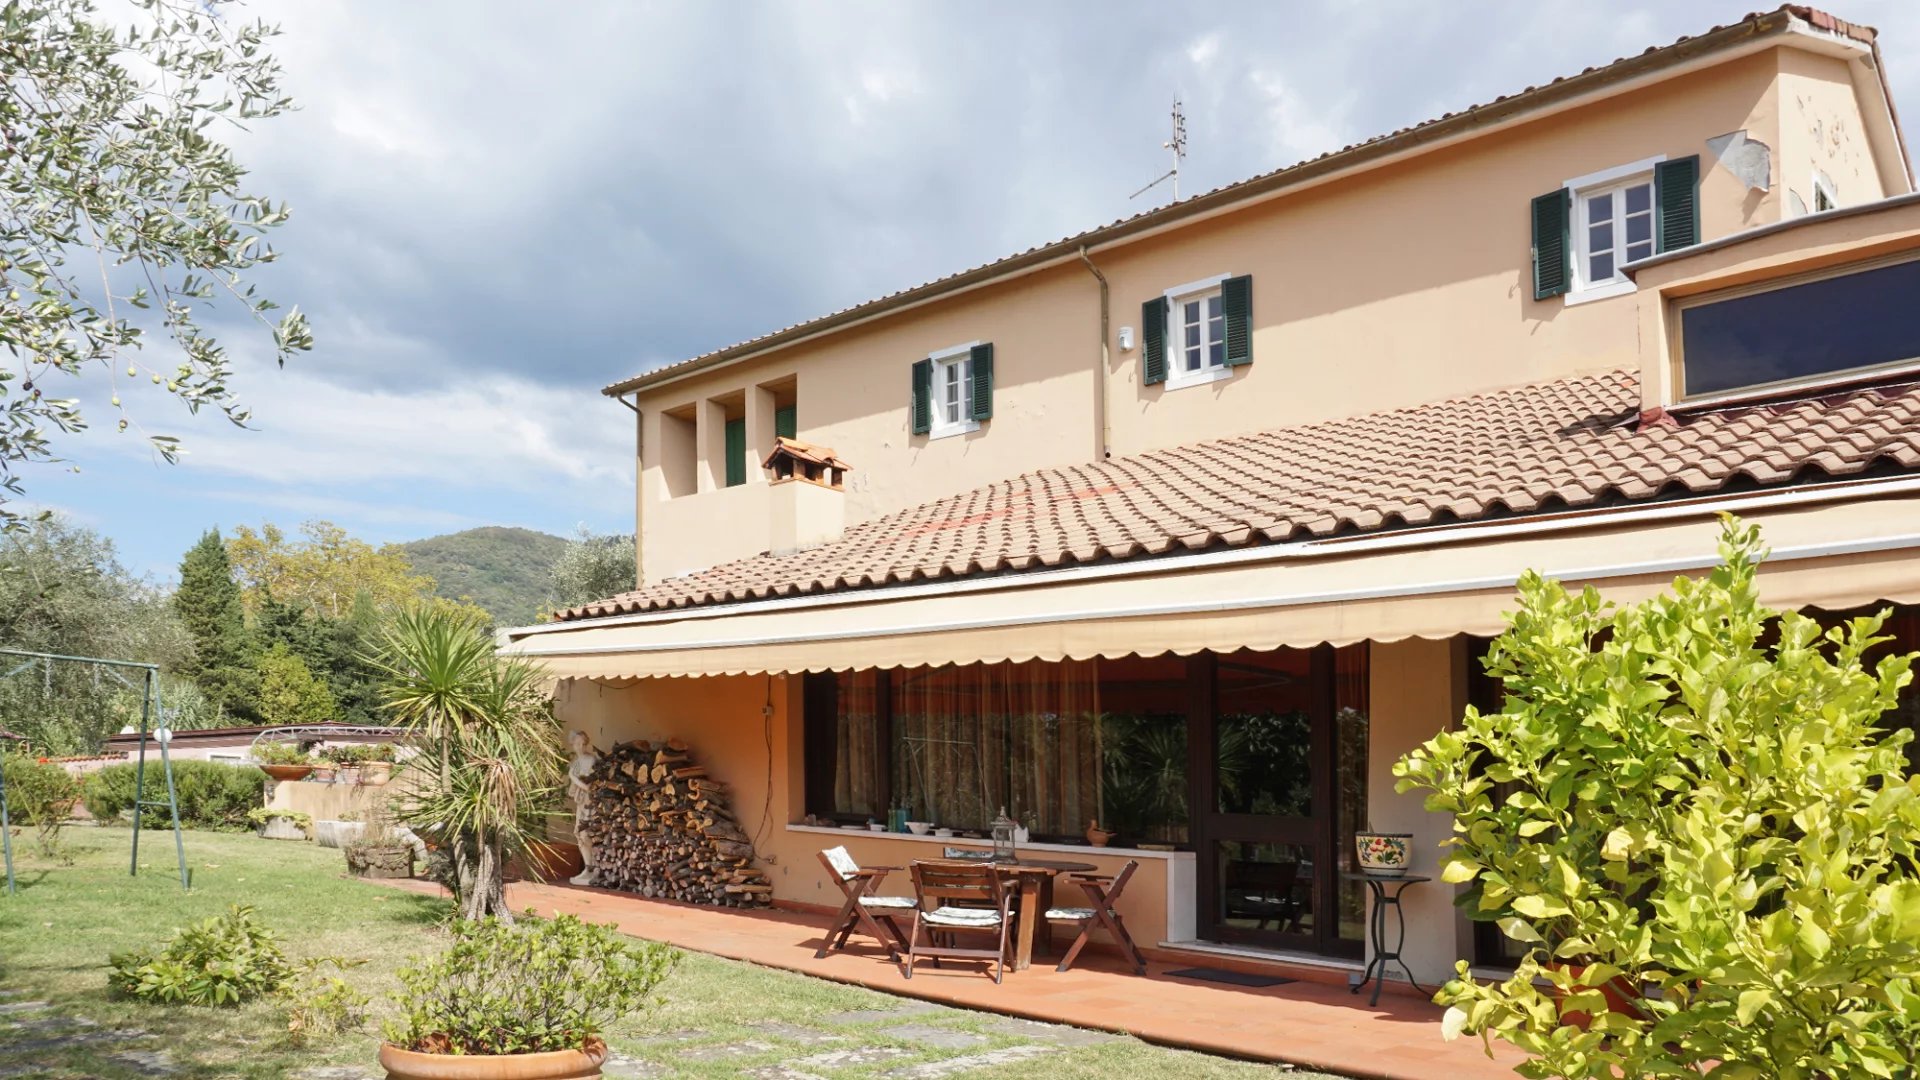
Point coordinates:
[(124, 214), (592, 568), (1702, 820), (484, 726), (208, 604), (289, 693), (325, 570), (63, 590)]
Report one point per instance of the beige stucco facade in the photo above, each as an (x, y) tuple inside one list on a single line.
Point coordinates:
[(1400, 283)]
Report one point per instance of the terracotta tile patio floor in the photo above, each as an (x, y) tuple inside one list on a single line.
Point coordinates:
[(1312, 1024)]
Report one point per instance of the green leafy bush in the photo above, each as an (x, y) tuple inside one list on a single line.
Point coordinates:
[(224, 960), (526, 988), (281, 753), (40, 795), (1701, 815), (212, 796), (323, 1005)]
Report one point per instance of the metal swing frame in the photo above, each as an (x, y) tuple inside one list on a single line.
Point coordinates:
[(150, 710)]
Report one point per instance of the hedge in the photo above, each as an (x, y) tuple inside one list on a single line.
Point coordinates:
[(212, 796)]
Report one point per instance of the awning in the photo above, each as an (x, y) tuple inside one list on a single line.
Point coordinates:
[(1432, 584)]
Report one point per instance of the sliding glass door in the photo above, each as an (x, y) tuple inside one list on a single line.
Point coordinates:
[(1279, 756)]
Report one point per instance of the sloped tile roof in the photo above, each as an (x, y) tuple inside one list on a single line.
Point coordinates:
[(1655, 56), (1571, 443)]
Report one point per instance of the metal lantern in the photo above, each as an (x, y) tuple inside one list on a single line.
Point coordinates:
[(1003, 828)]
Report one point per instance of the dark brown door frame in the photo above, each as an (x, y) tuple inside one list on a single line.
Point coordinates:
[(1318, 833)]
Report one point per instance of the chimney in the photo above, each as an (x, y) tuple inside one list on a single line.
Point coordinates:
[(808, 500)]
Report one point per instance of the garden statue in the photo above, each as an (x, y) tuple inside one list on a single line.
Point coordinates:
[(584, 759)]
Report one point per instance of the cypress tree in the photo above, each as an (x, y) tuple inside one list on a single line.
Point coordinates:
[(208, 603)]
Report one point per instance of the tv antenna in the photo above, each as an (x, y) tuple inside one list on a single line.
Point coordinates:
[(1177, 144)]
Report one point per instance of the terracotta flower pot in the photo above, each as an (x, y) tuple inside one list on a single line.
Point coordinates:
[(1621, 996), (555, 1065), (323, 773), (287, 772), (376, 773)]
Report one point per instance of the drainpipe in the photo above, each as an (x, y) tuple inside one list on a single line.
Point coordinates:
[(1101, 440)]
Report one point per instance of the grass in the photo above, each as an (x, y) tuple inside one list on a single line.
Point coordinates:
[(56, 934)]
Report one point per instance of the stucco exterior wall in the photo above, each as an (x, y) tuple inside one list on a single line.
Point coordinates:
[(1402, 285), (1822, 132)]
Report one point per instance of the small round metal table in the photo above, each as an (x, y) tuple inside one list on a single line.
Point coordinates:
[(1384, 898)]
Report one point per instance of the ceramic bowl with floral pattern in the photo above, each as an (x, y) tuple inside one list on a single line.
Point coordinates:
[(1384, 853)]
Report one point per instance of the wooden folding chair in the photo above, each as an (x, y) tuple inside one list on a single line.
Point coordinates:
[(864, 907), (967, 898), (1103, 892)]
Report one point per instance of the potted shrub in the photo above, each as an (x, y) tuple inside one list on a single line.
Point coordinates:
[(278, 824), (1690, 812), (526, 1001), (376, 766), (346, 761), (283, 761)]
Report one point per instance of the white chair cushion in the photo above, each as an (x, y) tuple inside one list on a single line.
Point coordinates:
[(1065, 913), (958, 916), (901, 902), (842, 862)]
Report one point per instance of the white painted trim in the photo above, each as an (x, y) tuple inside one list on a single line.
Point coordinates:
[(941, 428), (948, 431), (1203, 285), (1621, 287), (1467, 532), (1823, 184), (953, 350), (1618, 172), (1187, 379)]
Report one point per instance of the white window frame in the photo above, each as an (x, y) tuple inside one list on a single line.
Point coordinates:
[(1823, 186), (1582, 188), (945, 360), (1174, 343)]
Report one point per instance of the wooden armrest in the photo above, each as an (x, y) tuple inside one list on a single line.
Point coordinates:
[(874, 871), (1093, 877)]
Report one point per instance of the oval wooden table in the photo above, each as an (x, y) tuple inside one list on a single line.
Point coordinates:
[(1035, 880)]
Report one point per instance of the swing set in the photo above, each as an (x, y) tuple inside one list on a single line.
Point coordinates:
[(148, 684)]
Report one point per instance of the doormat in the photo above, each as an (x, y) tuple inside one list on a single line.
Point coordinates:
[(1231, 978)]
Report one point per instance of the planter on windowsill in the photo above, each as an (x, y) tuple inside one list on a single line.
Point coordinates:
[(553, 1065)]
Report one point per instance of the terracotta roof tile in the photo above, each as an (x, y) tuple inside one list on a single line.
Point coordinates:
[(1570, 443)]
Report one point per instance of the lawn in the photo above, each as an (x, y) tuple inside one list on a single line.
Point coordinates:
[(716, 1018)]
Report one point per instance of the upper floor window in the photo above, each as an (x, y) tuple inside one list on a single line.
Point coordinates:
[(1588, 230), (953, 390), (1811, 330), (1197, 332)]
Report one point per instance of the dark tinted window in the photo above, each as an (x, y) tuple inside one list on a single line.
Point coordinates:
[(1833, 325)]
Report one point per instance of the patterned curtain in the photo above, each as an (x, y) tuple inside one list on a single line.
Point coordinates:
[(860, 754)]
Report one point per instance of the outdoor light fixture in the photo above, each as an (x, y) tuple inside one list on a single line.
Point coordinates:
[(1003, 827)]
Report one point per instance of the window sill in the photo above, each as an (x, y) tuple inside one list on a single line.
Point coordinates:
[(948, 431), (1600, 292), (1774, 393), (957, 841), (1198, 378)]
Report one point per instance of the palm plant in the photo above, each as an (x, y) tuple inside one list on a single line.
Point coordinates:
[(490, 755)]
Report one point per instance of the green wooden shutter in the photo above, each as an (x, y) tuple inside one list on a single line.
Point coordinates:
[(1552, 254), (1676, 202), (1236, 305), (981, 364), (786, 422), (736, 452), (1153, 341), (920, 417)]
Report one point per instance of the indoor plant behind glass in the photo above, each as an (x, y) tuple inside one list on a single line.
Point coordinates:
[(526, 1001)]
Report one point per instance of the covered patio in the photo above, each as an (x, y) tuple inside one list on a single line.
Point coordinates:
[(1316, 1024)]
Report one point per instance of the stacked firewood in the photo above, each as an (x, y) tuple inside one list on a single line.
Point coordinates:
[(661, 827)]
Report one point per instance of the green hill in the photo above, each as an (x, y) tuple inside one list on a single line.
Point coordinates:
[(502, 569)]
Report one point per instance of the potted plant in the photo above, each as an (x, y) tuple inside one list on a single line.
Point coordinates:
[(283, 761), (376, 765), (527, 1001), (346, 762), (278, 824), (376, 852), (1385, 853)]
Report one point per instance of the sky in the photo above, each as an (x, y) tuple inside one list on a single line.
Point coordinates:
[(499, 208)]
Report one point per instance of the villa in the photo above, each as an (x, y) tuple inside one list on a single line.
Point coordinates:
[(1192, 524)]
